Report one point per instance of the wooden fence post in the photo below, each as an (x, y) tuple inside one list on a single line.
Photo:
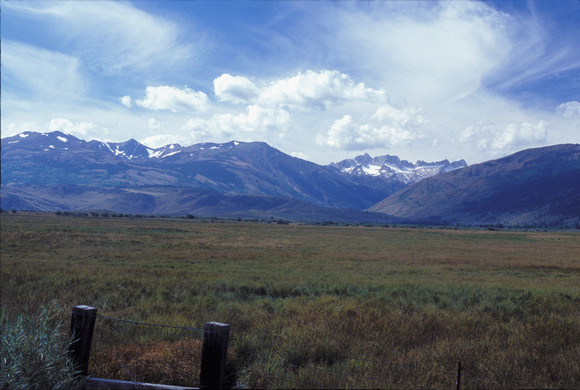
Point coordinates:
[(458, 383), (213, 355), (82, 325)]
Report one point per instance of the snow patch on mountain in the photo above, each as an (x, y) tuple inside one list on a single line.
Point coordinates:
[(154, 153), (171, 154), (393, 168)]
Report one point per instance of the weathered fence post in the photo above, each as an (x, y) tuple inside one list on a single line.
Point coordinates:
[(458, 383), (82, 325), (213, 355)]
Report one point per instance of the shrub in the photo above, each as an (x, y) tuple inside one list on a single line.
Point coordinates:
[(35, 352)]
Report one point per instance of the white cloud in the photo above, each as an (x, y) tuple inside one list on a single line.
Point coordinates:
[(316, 90), (300, 155), (42, 73), (303, 91), (154, 124), (365, 69), (114, 36), (348, 135), (256, 120), (236, 89), (405, 117), (424, 52), (519, 136), (126, 101), (538, 51), (389, 126), (173, 99), (68, 127), (486, 135), (569, 109), (481, 130), (202, 130), (159, 140), (11, 129)]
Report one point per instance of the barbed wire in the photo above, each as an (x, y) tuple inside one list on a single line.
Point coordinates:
[(125, 342), (153, 325)]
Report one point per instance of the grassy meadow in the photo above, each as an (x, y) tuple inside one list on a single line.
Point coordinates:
[(317, 306)]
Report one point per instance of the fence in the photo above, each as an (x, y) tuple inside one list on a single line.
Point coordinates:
[(212, 367), (198, 358)]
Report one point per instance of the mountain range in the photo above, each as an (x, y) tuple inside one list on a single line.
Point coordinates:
[(57, 171)]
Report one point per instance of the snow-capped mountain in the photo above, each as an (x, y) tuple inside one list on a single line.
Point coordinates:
[(232, 168), (57, 171), (395, 169), (254, 168)]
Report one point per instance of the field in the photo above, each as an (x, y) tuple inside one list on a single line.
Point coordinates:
[(314, 306)]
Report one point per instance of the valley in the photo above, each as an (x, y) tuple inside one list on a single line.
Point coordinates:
[(302, 300)]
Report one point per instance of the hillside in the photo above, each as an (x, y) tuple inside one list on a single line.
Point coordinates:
[(534, 186), (238, 168), (57, 171), (167, 200)]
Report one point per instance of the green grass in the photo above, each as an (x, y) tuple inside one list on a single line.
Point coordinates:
[(314, 306)]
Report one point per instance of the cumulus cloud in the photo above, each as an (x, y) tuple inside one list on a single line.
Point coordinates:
[(389, 126), (405, 117), (236, 89), (66, 126), (316, 90), (256, 119), (518, 136), (269, 103), (126, 101), (569, 109), (305, 90), (346, 134), (489, 136), (173, 99)]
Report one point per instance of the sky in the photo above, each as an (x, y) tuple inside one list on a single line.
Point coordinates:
[(319, 80)]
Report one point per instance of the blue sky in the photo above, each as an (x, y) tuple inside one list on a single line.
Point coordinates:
[(319, 80)]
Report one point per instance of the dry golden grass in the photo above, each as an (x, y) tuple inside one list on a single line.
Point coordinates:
[(176, 363)]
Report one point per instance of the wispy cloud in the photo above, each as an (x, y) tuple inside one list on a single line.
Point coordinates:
[(540, 48), (569, 109), (113, 37), (421, 52), (33, 72)]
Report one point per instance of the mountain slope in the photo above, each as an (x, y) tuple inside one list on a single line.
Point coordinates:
[(252, 168), (167, 200), (532, 186)]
